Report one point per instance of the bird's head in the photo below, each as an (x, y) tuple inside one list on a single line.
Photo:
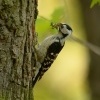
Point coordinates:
[(63, 28)]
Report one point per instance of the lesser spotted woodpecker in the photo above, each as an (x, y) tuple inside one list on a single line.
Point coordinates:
[(50, 48)]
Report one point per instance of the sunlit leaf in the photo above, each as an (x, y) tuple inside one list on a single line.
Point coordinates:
[(94, 2), (43, 24), (57, 14)]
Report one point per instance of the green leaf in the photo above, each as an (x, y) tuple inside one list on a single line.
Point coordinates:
[(42, 25), (94, 2), (57, 14)]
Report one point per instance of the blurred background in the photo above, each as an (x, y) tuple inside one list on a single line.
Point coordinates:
[(75, 74)]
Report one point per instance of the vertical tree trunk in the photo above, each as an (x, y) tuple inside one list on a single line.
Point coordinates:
[(17, 20), (92, 22)]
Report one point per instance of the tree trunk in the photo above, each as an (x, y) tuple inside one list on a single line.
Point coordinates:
[(92, 22), (17, 22)]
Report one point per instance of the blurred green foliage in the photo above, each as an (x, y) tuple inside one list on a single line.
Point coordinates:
[(43, 24), (57, 14), (94, 2)]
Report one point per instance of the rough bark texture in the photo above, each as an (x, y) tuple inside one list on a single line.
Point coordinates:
[(92, 22), (17, 20)]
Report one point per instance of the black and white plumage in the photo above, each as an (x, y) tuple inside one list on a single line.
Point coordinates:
[(50, 48)]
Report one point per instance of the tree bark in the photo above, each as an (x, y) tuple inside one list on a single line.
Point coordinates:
[(92, 22), (17, 56)]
